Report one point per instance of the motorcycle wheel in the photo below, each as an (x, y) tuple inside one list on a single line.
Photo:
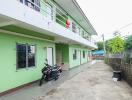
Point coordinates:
[(41, 80), (46, 79), (56, 78)]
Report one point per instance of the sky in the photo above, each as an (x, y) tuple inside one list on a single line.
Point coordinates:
[(108, 16)]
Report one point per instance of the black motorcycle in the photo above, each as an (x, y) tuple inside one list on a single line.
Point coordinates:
[(50, 72)]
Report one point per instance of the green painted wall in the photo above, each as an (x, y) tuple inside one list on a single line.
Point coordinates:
[(77, 25), (23, 76), (42, 5), (10, 77), (67, 54), (61, 19), (80, 60), (43, 8)]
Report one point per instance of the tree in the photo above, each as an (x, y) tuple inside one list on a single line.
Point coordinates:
[(106, 46), (128, 43), (100, 45), (115, 45)]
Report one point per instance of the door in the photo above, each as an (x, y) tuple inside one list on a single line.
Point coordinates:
[(59, 56), (50, 55)]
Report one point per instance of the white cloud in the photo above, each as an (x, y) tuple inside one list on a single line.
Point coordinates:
[(107, 16)]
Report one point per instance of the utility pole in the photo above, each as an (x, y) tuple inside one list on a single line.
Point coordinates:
[(104, 44)]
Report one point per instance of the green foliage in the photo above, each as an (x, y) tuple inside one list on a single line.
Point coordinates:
[(100, 45), (128, 43), (127, 58), (115, 45), (106, 46)]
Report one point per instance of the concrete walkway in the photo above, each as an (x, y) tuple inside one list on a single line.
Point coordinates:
[(93, 83), (34, 91)]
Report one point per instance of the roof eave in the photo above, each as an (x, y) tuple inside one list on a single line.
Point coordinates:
[(79, 8)]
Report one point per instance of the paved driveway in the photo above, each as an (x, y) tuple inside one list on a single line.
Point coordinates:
[(34, 91), (95, 83)]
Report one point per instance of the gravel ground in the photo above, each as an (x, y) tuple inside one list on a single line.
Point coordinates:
[(95, 83)]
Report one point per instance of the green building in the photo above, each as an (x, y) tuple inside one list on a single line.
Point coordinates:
[(34, 30)]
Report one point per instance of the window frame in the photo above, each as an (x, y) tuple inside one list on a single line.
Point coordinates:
[(83, 33), (75, 54), (32, 4), (34, 56), (17, 68), (26, 67), (74, 27)]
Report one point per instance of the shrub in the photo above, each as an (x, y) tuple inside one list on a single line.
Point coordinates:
[(128, 43)]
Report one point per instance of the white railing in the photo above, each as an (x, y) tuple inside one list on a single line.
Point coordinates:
[(58, 11), (56, 14)]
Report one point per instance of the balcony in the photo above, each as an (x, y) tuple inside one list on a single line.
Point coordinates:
[(33, 16)]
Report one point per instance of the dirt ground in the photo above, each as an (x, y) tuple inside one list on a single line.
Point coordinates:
[(95, 83)]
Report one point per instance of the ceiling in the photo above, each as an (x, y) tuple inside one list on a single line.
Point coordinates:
[(74, 10)]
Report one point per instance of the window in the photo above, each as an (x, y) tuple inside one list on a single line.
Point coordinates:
[(21, 1), (87, 36), (74, 29), (83, 54), (34, 4), (25, 55), (83, 34), (21, 56), (75, 55)]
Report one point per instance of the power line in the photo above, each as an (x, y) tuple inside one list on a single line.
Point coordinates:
[(125, 26)]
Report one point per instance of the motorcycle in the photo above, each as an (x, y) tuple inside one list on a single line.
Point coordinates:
[(50, 72)]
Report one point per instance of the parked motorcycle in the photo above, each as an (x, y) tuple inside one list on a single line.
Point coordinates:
[(50, 72)]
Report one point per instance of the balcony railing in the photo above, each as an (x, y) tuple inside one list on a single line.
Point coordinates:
[(60, 17), (52, 12)]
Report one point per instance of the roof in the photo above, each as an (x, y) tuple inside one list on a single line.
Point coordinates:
[(98, 52)]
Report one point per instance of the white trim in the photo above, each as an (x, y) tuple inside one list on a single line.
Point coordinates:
[(23, 35)]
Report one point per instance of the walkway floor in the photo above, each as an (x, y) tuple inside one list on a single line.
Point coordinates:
[(94, 83), (34, 91)]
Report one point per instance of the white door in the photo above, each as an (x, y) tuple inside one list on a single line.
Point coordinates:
[(80, 57), (50, 56)]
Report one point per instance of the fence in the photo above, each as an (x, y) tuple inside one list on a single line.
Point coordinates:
[(123, 62), (97, 57)]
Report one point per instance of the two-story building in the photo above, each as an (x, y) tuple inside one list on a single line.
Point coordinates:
[(34, 30)]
